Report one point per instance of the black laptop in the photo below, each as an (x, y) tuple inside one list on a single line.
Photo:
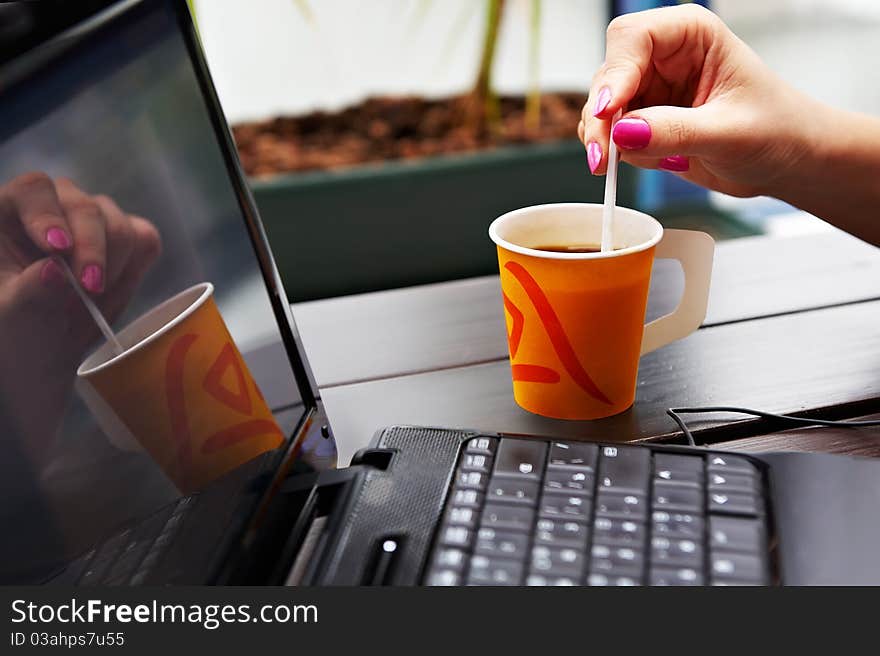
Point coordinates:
[(123, 104)]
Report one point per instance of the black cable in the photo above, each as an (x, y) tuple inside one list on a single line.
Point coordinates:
[(802, 421)]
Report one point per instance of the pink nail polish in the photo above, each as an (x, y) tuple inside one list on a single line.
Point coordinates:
[(58, 239), (594, 156), (602, 100), (675, 163), (51, 274), (93, 278), (631, 133)]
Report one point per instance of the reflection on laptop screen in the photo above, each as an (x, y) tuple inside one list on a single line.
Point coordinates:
[(120, 122)]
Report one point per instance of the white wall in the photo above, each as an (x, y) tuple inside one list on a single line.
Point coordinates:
[(266, 58)]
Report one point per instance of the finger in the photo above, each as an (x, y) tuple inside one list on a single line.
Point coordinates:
[(120, 236), (32, 200), (89, 225), (673, 163), (148, 243), (596, 136), (699, 174), (665, 131), (147, 248), (635, 41), (41, 284)]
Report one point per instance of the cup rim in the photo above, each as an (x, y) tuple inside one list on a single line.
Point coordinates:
[(207, 289), (533, 252)]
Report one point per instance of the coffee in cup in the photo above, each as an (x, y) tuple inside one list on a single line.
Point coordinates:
[(575, 315)]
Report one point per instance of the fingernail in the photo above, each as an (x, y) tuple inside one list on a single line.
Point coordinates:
[(58, 239), (602, 100), (631, 133), (93, 278), (675, 163), (51, 274), (594, 156)]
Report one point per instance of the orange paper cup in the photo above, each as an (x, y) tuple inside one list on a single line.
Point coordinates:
[(182, 391), (575, 321)]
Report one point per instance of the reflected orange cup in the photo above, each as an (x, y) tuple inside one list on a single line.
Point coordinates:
[(575, 321), (180, 390)]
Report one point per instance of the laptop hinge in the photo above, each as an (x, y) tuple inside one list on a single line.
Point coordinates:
[(288, 545)]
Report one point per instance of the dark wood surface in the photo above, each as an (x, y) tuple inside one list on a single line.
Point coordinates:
[(846, 441), (431, 327), (819, 359)]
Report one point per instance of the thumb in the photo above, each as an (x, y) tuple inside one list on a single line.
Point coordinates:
[(662, 131), (41, 284)]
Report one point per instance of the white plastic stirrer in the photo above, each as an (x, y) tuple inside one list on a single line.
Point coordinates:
[(610, 192), (103, 326)]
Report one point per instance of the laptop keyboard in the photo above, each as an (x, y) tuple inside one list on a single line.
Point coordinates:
[(129, 556), (531, 512)]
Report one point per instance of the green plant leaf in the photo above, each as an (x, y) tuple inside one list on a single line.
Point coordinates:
[(306, 10), (533, 94)]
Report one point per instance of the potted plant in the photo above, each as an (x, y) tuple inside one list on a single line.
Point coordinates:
[(430, 177)]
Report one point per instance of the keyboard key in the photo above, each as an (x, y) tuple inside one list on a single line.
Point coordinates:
[(625, 468), (596, 579), (107, 553), (614, 567), (471, 480), (467, 498), (561, 533), (733, 483), (476, 462), (675, 576), (737, 567), (719, 581), (461, 516), (573, 454), (551, 561), (736, 534), (486, 570), (505, 544), (443, 577), (723, 463), (623, 556), (574, 480), (676, 552), (678, 498), (456, 536), (685, 478), (482, 445), (618, 532), (504, 516), (450, 559), (678, 470), (564, 506), (509, 490), (735, 503), (679, 525), (520, 458), (678, 463), (542, 580), (621, 505)]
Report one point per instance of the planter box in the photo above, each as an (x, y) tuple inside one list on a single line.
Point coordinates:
[(408, 223)]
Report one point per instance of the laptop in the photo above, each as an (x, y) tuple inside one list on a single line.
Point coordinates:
[(122, 104)]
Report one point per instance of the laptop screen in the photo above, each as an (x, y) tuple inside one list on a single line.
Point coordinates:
[(93, 439)]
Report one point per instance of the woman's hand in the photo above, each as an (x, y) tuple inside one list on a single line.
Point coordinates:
[(45, 330), (699, 102), (696, 101)]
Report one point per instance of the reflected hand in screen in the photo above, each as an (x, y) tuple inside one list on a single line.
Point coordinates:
[(45, 330)]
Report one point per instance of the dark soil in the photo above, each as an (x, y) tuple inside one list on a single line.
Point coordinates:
[(386, 128)]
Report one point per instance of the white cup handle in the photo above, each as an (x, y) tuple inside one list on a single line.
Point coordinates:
[(695, 251)]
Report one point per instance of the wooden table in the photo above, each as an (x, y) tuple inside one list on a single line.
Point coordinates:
[(793, 326)]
